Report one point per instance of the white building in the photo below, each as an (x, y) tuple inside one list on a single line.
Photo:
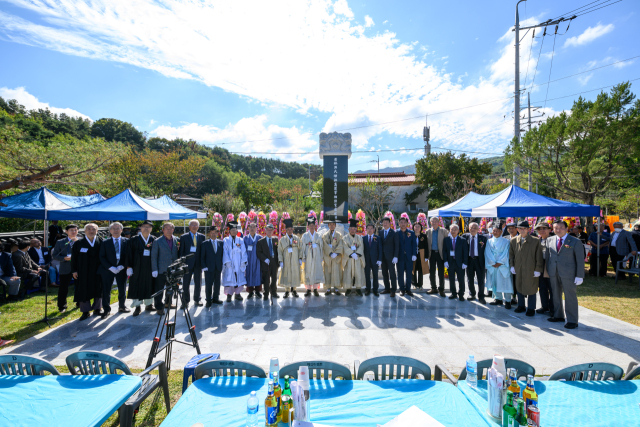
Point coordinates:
[(399, 183)]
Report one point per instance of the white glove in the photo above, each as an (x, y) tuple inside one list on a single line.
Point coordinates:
[(578, 281), (413, 258), (464, 266), (536, 274), (205, 269), (446, 265), (354, 256), (129, 271), (426, 260), (114, 270), (300, 261), (379, 263), (120, 268), (513, 270), (334, 255), (394, 260), (267, 261), (154, 274), (281, 265)]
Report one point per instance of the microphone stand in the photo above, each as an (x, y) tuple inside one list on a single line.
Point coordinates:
[(46, 319)]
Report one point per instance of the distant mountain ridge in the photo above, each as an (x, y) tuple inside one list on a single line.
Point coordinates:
[(496, 162)]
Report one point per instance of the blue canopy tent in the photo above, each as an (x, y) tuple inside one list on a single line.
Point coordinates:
[(40, 203), (463, 205), (516, 202), (176, 211), (126, 206)]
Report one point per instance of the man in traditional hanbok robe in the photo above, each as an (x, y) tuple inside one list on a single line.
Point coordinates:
[(332, 248), (85, 262), (353, 260), (496, 258), (290, 252), (139, 269), (312, 257), (234, 259), (254, 279)]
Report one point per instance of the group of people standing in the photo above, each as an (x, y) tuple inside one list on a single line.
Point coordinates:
[(512, 262)]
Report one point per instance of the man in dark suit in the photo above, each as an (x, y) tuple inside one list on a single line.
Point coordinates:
[(408, 253), (55, 233), (476, 267), (8, 276), (267, 252), (456, 258), (113, 259), (211, 263), (190, 243), (372, 260), (26, 269), (42, 256), (390, 249)]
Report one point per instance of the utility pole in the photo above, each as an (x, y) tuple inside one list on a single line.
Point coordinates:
[(529, 122), (516, 93), (426, 135), (309, 178), (374, 161)]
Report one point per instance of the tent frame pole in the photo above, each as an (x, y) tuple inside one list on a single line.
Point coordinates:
[(598, 250)]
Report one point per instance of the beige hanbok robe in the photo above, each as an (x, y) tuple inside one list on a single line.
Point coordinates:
[(332, 244), (312, 255), (352, 268), (290, 271)]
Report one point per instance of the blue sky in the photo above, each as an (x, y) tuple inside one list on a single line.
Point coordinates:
[(269, 76)]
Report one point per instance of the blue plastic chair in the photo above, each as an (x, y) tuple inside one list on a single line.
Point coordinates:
[(318, 369), (229, 368), (393, 366), (589, 372), (19, 364), (190, 367)]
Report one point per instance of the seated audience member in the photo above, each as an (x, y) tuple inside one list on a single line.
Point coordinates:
[(594, 259), (42, 256), (8, 277), (26, 269)]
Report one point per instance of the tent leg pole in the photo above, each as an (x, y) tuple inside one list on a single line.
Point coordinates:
[(46, 237), (598, 251)]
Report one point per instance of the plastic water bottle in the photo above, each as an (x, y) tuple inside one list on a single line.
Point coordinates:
[(472, 372), (253, 404)]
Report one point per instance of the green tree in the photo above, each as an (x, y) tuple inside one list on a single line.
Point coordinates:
[(373, 197), (253, 194), (211, 179), (445, 176), (118, 131), (582, 154)]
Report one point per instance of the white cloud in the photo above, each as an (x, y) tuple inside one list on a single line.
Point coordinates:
[(585, 79), (311, 56), (589, 35), (385, 21), (390, 163), (32, 103), (250, 134), (608, 60), (368, 21)]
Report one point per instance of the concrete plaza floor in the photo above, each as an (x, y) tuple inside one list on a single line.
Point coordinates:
[(342, 329)]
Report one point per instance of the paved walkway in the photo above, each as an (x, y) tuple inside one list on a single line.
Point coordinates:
[(340, 329)]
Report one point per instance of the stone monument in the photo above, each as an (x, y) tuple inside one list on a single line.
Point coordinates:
[(335, 151)]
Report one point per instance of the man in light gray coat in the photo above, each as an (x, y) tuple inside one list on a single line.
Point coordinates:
[(565, 265), (163, 253)]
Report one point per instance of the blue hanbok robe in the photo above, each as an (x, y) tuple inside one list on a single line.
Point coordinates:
[(497, 252), (253, 263)]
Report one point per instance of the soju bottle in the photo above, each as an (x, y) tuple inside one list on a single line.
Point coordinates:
[(277, 392), (286, 400), (514, 387), (271, 408), (521, 417), (529, 394), (508, 410)]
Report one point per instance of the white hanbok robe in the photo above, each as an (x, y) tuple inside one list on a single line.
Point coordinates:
[(312, 256), (234, 261), (498, 279)]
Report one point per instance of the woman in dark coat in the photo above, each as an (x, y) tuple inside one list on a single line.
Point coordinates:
[(141, 282), (85, 261), (417, 264)]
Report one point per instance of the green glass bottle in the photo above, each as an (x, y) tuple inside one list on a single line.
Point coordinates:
[(508, 410), (521, 417), (286, 400)]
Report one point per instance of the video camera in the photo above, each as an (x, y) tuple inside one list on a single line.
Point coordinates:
[(178, 268)]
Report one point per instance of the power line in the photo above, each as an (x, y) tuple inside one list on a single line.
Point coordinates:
[(581, 7), (593, 10), (586, 91), (366, 151), (550, 68)]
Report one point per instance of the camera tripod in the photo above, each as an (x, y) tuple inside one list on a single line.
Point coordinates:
[(46, 317), (166, 321)]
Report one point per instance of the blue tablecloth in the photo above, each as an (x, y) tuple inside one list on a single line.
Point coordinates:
[(222, 401), (63, 400), (574, 403)]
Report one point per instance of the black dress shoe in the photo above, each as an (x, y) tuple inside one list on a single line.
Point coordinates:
[(496, 302), (216, 301), (461, 298), (347, 292), (208, 304), (229, 298), (124, 310), (198, 304), (453, 296), (385, 292), (104, 315), (555, 319), (160, 312), (530, 313), (258, 294), (239, 297), (432, 291), (84, 316), (286, 295), (401, 293), (294, 293), (542, 310), (442, 294), (375, 293), (507, 305), (337, 292), (367, 292), (358, 292), (149, 308), (514, 301), (315, 293), (328, 292), (409, 293), (571, 325), (392, 294), (266, 297), (519, 310), (482, 301), (137, 311), (308, 293), (250, 295), (471, 298)]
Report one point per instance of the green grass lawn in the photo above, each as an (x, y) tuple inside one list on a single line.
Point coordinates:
[(621, 301)]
